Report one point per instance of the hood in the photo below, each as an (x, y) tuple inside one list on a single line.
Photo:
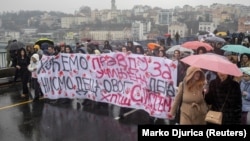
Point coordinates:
[(190, 72), (37, 47), (36, 56)]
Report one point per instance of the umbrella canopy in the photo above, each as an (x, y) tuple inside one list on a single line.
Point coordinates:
[(221, 34), (16, 45), (213, 62), (180, 48), (245, 70), (196, 44), (236, 49), (153, 46), (215, 39), (44, 40)]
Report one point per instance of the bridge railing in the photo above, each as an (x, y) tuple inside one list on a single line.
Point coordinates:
[(3, 59)]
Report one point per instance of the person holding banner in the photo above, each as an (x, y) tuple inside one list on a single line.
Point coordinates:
[(190, 98)]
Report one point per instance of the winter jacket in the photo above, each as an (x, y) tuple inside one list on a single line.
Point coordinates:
[(193, 106), (33, 65), (23, 63), (245, 86), (216, 97)]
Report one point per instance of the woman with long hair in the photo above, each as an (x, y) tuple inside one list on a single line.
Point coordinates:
[(22, 65)]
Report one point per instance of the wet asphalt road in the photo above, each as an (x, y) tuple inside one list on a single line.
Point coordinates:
[(24, 120)]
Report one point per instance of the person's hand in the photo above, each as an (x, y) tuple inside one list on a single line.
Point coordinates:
[(18, 67), (170, 116), (244, 93)]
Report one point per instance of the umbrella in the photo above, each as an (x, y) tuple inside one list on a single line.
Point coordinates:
[(196, 44), (153, 46), (180, 48), (16, 45), (134, 43), (44, 40), (236, 49), (245, 70), (221, 34), (215, 39), (213, 62)]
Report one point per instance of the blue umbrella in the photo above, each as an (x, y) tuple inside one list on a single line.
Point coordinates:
[(236, 49)]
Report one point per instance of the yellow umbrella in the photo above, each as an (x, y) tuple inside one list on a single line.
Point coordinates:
[(44, 40), (221, 34)]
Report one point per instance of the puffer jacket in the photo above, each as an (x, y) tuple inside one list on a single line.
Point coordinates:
[(33, 65)]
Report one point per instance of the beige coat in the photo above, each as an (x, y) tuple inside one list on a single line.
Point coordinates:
[(193, 107)]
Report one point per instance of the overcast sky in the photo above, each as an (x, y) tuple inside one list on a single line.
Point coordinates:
[(69, 6)]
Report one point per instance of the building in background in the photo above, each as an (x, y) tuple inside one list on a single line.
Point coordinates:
[(165, 17), (244, 24), (140, 30), (207, 26), (175, 27)]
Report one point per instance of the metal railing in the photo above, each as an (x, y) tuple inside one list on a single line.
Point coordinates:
[(3, 59)]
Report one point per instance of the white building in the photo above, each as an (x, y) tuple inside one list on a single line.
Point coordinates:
[(165, 17), (140, 9), (29, 30), (207, 26), (12, 35), (67, 22), (140, 30), (110, 35), (175, 27)]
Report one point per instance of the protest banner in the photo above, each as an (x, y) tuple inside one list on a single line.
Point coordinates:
[(135, 81)]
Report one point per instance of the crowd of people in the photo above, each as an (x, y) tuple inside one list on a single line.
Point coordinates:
[(191, 81)]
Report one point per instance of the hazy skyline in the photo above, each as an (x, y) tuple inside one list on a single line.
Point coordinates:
[(69, 6)]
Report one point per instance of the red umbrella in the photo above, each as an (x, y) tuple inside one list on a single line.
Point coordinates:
[(196, 44), (213, 62)]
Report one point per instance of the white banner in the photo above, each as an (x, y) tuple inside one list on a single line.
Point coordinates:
[(135, 81)]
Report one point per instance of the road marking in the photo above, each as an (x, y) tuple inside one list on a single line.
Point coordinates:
[(17, 104), (126, 114), (14, 105)]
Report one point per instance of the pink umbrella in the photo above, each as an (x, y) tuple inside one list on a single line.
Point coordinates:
[(196, 44), (213, 62)]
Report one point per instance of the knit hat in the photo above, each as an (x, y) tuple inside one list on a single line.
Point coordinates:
[(37, 47), (36, 56)]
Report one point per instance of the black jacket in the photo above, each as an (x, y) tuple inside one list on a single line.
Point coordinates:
[(216, 97)]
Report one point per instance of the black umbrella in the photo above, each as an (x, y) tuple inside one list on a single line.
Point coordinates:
[(44, 40), (16, 45)]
